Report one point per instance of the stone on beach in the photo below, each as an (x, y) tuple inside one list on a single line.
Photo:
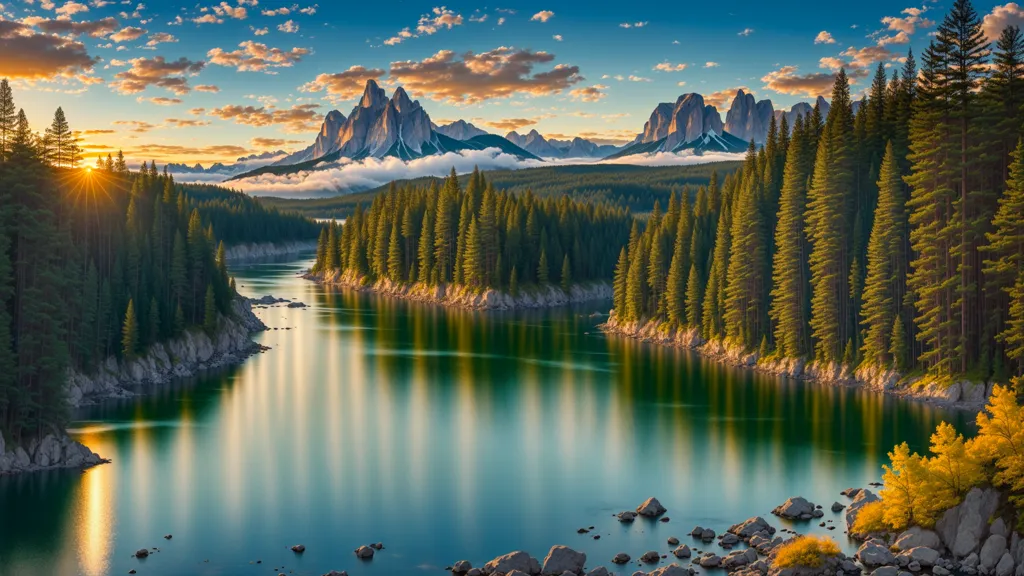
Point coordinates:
[(872, 553)]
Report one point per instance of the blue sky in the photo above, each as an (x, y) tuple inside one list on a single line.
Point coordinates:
[(211, 81)]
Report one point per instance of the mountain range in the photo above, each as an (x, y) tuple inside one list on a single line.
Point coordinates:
[(380, 126)]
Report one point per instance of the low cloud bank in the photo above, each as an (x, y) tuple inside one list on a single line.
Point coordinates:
[(347, 176)]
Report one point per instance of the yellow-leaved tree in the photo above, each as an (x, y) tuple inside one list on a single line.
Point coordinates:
[(1000, 441), (953, 469), (905, 492)]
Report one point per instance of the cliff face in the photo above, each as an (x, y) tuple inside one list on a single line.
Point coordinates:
[(469, 298), (50, 453), (964, 394), (181, 357)]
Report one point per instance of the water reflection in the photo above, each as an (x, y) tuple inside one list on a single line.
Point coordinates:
[(444, 433)]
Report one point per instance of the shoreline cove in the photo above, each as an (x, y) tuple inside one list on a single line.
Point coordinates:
[(180, 357), (961, 395), (454, 296)]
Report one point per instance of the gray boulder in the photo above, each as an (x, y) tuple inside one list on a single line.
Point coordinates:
[(517, 560), (599, 571), (620, 558), (837, 507), (710, 561), (751, 526), (707, 535), (461, 567), (626, 516), (992, 551), (650, 557), (923, 555), (729, 540), (918, 536), (739, 559), (682, 551), (1005, 565), (563, 559), (673, 541), (862, 498), (874, 554), (999, 527), (651, 508), (964, 526), (364, 552), (885, 571), (795, 509)]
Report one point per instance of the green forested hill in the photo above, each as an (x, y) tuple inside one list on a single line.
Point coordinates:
[(633, 187)]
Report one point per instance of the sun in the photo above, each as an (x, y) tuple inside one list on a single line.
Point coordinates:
[(88, 169)]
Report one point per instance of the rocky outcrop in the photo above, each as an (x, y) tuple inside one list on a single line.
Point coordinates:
[(965, 527), (798, 508), (471, 298), (965, 395), (240, 253), (183, 356), (52, 452)]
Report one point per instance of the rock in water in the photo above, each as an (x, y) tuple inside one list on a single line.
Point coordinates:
[(364, 552), (563, 559), (141, 553), (651, 508), (682, 551), (298, 548), (797, 508), (751, 526), (461, 567), (627, 516), (517, 560), (620, 558), (650, 557)]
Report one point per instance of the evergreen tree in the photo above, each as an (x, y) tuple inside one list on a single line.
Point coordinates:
[(566, 276), (542, 268), (883, 292), (130, 332), (1004, 262), (395, 258), (8, 120), (210, 311), (619, 282), (790, 307), (694, 296)]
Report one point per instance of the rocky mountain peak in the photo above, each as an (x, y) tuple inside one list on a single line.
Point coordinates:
[(402, 101), (373, 96)]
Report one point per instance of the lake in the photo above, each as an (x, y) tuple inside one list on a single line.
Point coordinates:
[(444, 434)]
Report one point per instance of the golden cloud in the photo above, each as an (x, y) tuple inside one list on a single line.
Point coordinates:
[(474, 78), (40, 56), (786, 80), (256, 57), (297, 119), (344, 85), (721, 98), (94, 28), (273, 142), (156, 71), (589, 93), (127, 34), (1000, 17)]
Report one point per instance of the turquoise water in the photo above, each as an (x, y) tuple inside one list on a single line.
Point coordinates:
[(444, 434)]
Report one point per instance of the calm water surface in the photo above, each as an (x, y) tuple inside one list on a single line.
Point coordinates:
[(443, 434)]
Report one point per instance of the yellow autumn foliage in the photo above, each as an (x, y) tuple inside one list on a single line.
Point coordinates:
[(870, 519), (918, 489), (805, 551)]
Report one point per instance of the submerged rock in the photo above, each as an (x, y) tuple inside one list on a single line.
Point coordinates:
[(626, 516), (682, 551), (621, 558), (650, 557), (298, 548)]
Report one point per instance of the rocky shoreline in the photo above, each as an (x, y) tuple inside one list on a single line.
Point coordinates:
[(181, 357), (242, 253), (964, 395), (469, 298), (973, 538)]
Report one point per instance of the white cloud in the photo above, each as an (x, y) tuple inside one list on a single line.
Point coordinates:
[(633, 24), (745, 32), (1000, 17), (354, 176), (288, 27), (557, 37), (667, 67)]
